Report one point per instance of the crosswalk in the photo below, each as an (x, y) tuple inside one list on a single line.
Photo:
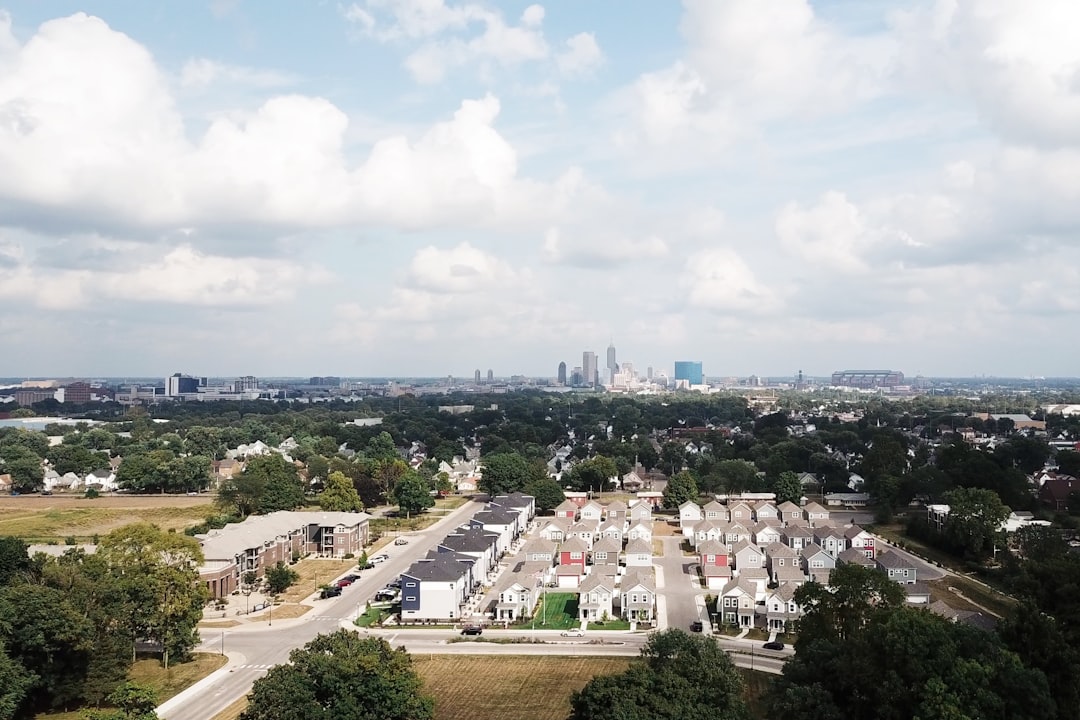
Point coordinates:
[(254, 667)]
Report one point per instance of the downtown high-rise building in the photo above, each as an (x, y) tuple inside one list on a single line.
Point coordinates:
[(612, 366), (491, 376), (589, 369), (476, 376), (562, 373)]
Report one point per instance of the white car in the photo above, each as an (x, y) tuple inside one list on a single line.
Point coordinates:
[(380, 558), (574, 632)]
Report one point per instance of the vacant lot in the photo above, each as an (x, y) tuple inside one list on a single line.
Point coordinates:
[(555, 611), (53, 519), (488, 687), (314, 573)]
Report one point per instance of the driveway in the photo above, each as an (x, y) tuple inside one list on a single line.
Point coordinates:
[(681, 597)]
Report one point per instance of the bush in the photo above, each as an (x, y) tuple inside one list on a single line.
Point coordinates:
[(70, 540), (348, 556), (92, 494)]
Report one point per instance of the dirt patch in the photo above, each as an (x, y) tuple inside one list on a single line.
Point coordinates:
[(663, 528), (285, 611), (219, 624)]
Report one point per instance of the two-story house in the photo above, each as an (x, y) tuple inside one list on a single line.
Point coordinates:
[(796, 537), (765, 534), (897, 568), (715, 511), (434, 590), (689, 515), (737, 603), (817, 563), (638, 595), (789, 512), (832, 540), (714, 560), (639, 530), (596, 596), (515, 602), (781, 610), (765, 511), (747, 555), (638, 553), (861, 540), (606, 551)]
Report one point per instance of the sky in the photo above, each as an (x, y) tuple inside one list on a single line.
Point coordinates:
[(427, 187)]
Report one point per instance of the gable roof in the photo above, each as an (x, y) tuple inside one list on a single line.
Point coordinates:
[(776, 549), (638, 546), (574, 544), (788, 507), (713, 547), (892, 561)]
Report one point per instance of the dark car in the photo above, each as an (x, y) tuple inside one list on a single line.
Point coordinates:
[(472, 630), (773, 646), (696, 626), (353, 577), (367, 566), (330, 592)]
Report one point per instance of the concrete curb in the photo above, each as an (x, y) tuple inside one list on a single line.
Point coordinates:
[(235, 659)]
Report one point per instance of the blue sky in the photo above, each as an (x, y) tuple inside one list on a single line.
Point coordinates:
[(424, 187)]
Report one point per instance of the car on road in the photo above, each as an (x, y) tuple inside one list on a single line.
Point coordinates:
[(401, 541), (573, 632), (775, 645), (472, 630), (697, 626), (380, 558), (329, 592)]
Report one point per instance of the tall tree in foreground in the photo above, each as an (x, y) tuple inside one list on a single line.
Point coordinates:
[(341, 676), (340, 495), (679, 676), (680, 488)]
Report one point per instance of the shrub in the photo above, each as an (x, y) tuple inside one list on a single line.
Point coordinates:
[(92, 493)]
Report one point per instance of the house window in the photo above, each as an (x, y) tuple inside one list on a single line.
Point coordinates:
[(575, 556), (411, 598), (729, 602), (410, 584), (817, 564), (710, 558)]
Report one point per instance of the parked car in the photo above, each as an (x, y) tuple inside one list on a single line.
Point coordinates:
[(344, 582), (366, 566), (776, 645), (401, 541), (697, 626), (380, 558), (394, 584), (573, 632), (329, 592), (472, 630), (352, 577)]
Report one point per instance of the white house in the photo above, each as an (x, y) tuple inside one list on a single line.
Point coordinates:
[(638, 554), (596, 596), (515, 602), (434, 590), (638, 595), (640, 531), (689, 515)]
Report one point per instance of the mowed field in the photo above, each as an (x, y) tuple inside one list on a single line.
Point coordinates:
[(492, 687), (53, 519)]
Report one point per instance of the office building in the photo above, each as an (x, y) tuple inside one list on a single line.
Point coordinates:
[(589, 368), (491, 376), (177, 384), (76, 392), (577, 377), (690, 371), (562, 373), (476, 377), (328, 381), (612, 366), (246, 383), (868, 378)]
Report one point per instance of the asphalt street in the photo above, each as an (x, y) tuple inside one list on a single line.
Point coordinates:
[(255, 648), (682, 598)]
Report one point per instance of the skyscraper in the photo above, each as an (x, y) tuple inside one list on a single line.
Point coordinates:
[(562, 373), (612, 366), (588, 367), (491, 376), (476, 377), (689, 371)]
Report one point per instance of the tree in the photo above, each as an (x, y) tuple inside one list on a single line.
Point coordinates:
[(593, 475), (13, 559), (159, 579), (280, 577), (503, 473), (411, 494), (973, 524), (131, 701), (382, 448), (547, 492), (341, 676), (787, 487), (23, 465), (241, 495), (908, 663), (738, 475), (680, 488), (15, 682), (1040, 643), (79, 459), (842, 609), (1068, 462), (340, 495), (678, 676), (268, 483), (672, 457)]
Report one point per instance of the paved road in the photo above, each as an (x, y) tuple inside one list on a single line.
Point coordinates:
[(681, 599), (255, 648)]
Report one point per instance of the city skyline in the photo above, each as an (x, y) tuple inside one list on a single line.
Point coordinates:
[(420, 187)]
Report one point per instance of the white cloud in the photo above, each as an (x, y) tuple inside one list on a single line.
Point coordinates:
[(595, 248), (1019, 61), (831, 234), (582, 54), (200, 73), (461, 269), (719, 280)]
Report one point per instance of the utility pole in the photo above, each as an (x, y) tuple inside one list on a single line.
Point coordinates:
[(223, 643)]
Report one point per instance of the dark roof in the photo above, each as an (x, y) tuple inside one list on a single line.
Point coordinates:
[(891, 560), (514, 500), (472, 542), (436, 570), (1060, 488), (495, 516)]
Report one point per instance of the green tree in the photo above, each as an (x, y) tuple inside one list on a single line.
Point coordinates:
[(78, 459), (974, 520), (678, 676), (1068, 462), (340, 495), (280, 577), (547, 493), (672, 457), (596, 474), (787, 487), (159, 579), (682, 487), (318, 469), (411, 494), (842, 609), (19, 460), (14, 560), (15, 683), (382, 448), (131, 701), (341, 676), (1040, 643), (503, 473), (738, 475), (267, 483)]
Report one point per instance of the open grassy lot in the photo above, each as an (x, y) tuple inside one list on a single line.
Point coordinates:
[(168, 683), (561, 612), (494, 687), (314, 573), (286, 611), (82, 519)]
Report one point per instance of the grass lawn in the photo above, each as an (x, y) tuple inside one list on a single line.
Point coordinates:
[(561, 612), (148, 671), (613, 624), (757, 634), (55, 522), (490, 687), (314, 573), (373, 616), (285, 611)]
